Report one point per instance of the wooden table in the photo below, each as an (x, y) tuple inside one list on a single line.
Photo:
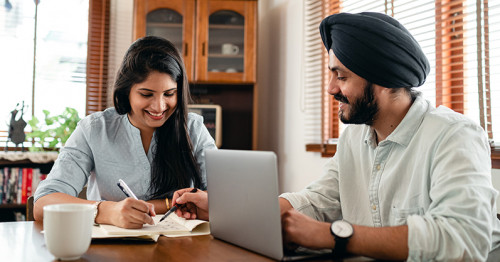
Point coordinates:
[(23, 241)]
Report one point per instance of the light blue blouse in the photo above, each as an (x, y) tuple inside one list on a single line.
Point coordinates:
[(105, 147), (433, 173)]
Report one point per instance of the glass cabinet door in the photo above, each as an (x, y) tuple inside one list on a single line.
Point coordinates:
[(172, 20), (226, 41), (166, 23)]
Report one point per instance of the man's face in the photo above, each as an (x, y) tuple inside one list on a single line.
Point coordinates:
[(356, 95)]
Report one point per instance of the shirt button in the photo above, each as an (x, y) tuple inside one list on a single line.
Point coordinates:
[(378, 167), (374, 207)]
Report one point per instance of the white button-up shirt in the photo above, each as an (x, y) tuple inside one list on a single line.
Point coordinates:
[(432, 173)]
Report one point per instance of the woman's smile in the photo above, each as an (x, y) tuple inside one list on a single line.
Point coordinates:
[(153, 101)]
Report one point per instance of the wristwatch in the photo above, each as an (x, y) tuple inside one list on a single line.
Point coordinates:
[(96, 211), (342, 232)]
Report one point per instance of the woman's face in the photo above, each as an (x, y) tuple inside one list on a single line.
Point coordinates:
[(152, 101)]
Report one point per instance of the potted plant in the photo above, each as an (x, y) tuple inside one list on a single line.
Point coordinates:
[(54, 131)]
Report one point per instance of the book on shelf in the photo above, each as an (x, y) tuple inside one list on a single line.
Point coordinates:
[(18, 183), (172, 226)]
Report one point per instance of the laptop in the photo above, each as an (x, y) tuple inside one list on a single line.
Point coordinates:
[(243, 202)]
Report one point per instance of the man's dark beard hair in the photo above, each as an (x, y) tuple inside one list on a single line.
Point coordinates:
[(363, 110)]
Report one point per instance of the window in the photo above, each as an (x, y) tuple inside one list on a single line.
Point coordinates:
[(52, 58), (461, 39), (44, 56)]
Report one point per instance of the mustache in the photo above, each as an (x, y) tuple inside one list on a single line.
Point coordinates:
[(341, 98)]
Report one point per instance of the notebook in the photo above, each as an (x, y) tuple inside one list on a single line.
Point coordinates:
[(172, 226), (243, 201)]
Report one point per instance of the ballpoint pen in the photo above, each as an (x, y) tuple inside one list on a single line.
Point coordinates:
[(126, 190), (176, 206)]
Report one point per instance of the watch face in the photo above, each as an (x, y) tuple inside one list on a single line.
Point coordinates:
[(342, 229)]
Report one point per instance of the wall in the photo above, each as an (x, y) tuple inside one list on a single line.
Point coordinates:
[(279, 77)]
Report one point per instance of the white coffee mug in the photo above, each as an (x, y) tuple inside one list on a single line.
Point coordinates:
[(68, 229), (229, 49)]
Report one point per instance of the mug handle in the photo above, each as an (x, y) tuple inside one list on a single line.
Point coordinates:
[(236, 49)]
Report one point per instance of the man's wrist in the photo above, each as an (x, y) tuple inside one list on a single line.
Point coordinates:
[(324, 239)]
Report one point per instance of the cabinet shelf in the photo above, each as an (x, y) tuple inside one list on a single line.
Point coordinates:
[(165, 25), (225, 26), (219, 55), (12, 206)]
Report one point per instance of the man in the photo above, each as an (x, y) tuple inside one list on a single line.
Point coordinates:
[(412, 181), (408, 181)]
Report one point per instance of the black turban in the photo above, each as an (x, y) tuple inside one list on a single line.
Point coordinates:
[(376, 47)]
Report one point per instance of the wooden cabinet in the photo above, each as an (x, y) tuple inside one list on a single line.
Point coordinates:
[(223, 50), (218, 42)]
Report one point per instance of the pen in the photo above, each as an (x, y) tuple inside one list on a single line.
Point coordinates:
[(126, 190), (176, 206)]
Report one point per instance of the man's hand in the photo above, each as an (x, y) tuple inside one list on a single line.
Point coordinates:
[(299, 229), (195, 204)]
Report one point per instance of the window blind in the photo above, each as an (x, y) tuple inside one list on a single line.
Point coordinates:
[(120, 38), (312, 71), (461, 39), (331, 125), (98, 55), (492, 13)]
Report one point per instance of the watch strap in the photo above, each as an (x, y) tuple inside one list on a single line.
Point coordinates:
[(340, 248)]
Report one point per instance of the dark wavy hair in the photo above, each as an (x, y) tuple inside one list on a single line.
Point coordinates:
[(174, 165)]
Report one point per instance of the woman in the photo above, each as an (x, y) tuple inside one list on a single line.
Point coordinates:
[(148, 140)]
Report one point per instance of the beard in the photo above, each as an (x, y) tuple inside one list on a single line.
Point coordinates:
[(363, 110)]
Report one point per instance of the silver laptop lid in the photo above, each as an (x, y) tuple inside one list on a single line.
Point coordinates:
[(243, 199)]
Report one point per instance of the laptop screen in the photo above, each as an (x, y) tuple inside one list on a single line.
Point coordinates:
[(243, 199)]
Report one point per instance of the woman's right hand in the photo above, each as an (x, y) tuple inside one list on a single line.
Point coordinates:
[(128, 213)]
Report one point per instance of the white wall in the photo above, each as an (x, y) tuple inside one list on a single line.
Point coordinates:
[(279, 77)]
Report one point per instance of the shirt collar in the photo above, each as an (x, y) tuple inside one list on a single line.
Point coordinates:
[(405, 131)]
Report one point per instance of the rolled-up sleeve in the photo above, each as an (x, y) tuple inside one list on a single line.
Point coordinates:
[(459, 222), (320, 199), (73, 165)]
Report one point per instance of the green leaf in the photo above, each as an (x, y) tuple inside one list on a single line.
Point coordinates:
[(58, 127)]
